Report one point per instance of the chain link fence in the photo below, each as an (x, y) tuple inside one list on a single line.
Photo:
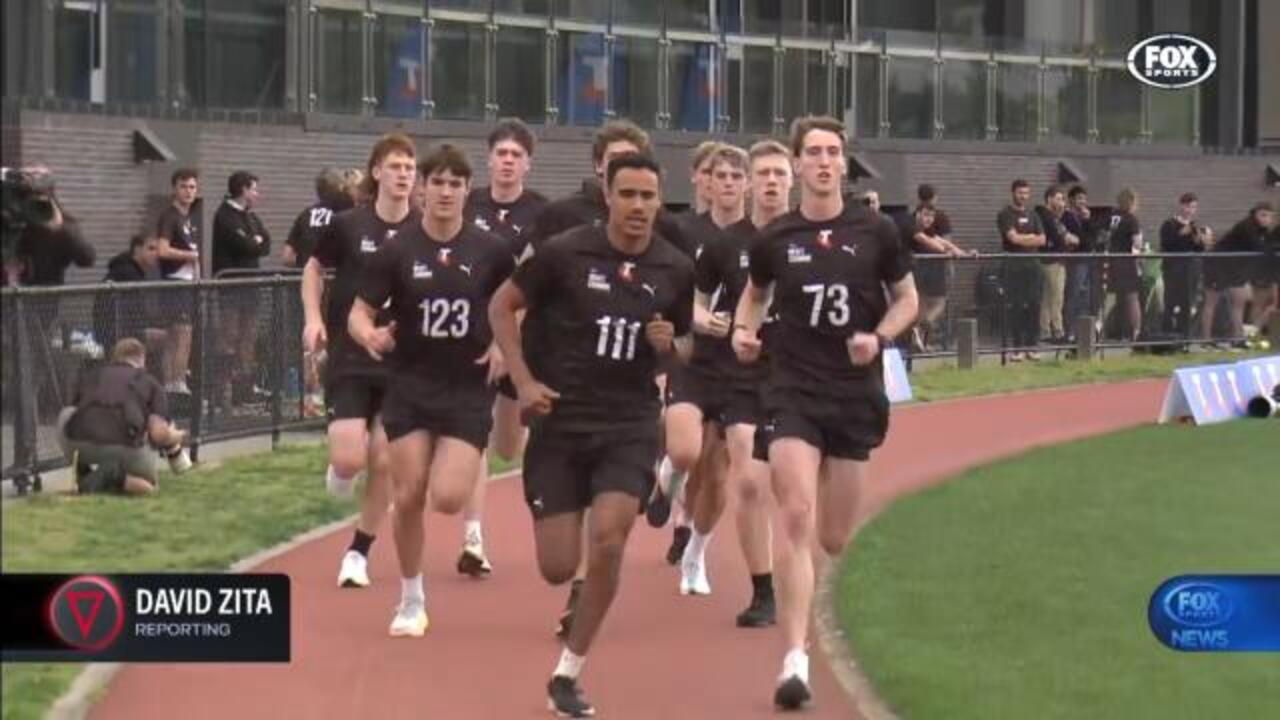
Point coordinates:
[(229, 350)]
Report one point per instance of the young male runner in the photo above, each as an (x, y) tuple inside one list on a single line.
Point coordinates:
[(826, 266), (505, 208), (356, 383), (436, 280), (618, 299)]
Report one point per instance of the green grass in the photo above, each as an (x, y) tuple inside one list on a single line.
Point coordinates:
[(940, 383), (1020, 590)]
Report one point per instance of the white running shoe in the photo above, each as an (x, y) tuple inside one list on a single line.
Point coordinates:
[(693, 577), (355, 571), (473, 562), (410, 620)]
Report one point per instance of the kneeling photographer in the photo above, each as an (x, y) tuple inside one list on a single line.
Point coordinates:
[(118, 411), (40, 239)]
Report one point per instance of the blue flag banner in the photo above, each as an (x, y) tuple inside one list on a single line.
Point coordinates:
[(582, 94), (896, 383), (404, 78), (1218, 393)]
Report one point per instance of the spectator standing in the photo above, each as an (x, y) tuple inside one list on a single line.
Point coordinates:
[(1058, 239), (1021, 234), (179, 260), (240, 240), (331, 198), (1122, 273), (928, 238), (126, 312), (1233, 275), (1078, 220), (1182, 233)]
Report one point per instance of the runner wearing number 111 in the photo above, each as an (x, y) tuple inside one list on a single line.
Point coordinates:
[(827, 266), (437, 279)]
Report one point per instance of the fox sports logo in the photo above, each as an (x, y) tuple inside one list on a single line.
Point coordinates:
[(1198, 604), (1172, 61)]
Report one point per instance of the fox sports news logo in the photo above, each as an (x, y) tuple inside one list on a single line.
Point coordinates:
[(1172, 61), (1199, 605)]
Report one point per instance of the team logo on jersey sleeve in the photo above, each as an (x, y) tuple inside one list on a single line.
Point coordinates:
[(797, 254)]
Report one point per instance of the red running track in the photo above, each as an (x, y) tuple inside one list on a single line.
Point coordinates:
[(490, 648)]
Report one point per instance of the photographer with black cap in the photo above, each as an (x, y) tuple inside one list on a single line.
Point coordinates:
[(41, 239)]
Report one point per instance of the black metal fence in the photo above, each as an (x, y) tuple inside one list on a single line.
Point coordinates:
[(229, 350)]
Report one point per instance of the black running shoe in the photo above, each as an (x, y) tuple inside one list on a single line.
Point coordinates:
[(570, 607), (762, 612), (564, 698), (658, 511), (792, 694), (679, 539)]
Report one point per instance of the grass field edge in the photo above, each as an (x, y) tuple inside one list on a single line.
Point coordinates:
[(838, 650), (89, 684)]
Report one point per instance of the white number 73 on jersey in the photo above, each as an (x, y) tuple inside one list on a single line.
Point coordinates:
[(836, 299)]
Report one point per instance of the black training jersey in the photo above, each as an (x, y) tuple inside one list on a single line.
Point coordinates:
[(307, 229), (508, 221), (1126, 234), (438, 295), (721, 271), (595, 301), (829, 282), (353, 237), (177, 227), (1021, 221)]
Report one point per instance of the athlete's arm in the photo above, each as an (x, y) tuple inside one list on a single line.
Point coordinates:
[(377, 341), (313, 334), (748, 318), (683, 347), (705, 321), (903, 307), (507, 302)]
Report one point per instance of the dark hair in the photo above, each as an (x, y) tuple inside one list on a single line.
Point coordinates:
[(617, 131), (1262, 206), (512, 129), (631, 161), (1187, 197), (387, 144), (240, 181), (1051, 191), (1076, 191), (445, 156), (801, 127), (138, 241), (183, 174), (925, 193), (1019, 183)]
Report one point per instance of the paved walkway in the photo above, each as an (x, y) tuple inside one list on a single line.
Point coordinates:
[(490, 648)]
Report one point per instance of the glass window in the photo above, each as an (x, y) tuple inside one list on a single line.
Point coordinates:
[(457, 69), (1172, 15), (644, 14), (635, 79), (235, 53), (398, 76), (910, 97), (588, 10), (692, 86), (963, 23), (521, 7), (689, 14), (804, 83), (905, 22), (1066, 97), (473, 5), (828, 19), (582, 78), (867, 101), (964, 99), (751, 106), (1017, 87), (75, 40), (131, 65), (1116, 26), (338, 43), (1173, 116), (1059, 25), (1119, 106), (764, 17), (522, 78)]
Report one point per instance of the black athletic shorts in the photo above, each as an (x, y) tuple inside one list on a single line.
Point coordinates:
[(838, 427), (468, 422), (743, 406), (696, 387), (355, 396), (565, 470)]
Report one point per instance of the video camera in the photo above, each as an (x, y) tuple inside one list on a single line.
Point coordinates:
[(26, 198)]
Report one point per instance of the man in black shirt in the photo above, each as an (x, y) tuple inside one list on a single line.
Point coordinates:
[(1021, 233), (1078, 220), (331, 199), (239, 241), (619, 299), (355, 382), (180, 260), (435, 281), (1058, 240), (1181, 234), (1123, 278), (1233, 275), (827, 266), (505, 208)]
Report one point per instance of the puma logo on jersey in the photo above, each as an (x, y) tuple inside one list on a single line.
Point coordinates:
[(597, 281), (367, 245), (850, 249), (824, 239), (421, 271), (797, 254), (517, 228), (466, 269), (653, 292)]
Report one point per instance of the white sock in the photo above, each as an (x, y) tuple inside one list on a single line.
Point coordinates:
[(570, 665), (471, 532), (411, 590), (698, 545), (796, 664), (338, 485)]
